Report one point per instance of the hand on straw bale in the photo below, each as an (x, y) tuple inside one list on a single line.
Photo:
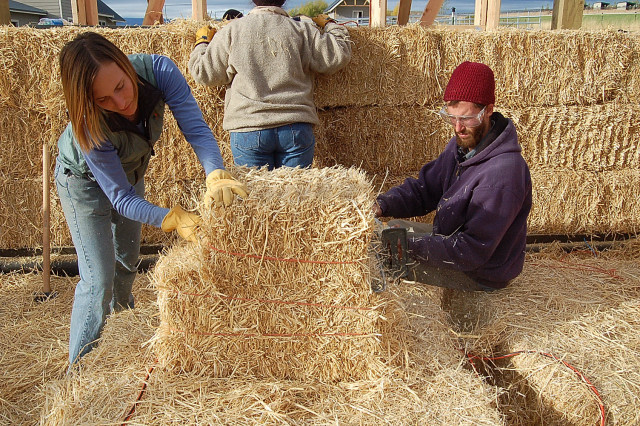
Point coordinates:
[(182, 221), (204, 35), (221, 187)]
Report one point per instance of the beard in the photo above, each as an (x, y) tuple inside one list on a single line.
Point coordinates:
[(472, 136)]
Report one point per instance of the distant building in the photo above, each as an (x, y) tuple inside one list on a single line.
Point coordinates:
[(626, 5), (23, 14), (349, 10), (29, 12), (600, 5)]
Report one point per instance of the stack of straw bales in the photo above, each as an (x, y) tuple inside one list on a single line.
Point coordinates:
[(585, 311), (573, 100), (279, 285)]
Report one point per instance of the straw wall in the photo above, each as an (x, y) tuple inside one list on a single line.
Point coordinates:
[(572, 94)]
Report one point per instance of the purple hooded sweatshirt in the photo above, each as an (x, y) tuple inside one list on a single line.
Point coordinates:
[(481, 204)]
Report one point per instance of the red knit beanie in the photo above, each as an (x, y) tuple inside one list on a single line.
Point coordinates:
[(471, 82)]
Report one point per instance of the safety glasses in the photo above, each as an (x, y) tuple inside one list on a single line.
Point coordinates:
[(464, 120)]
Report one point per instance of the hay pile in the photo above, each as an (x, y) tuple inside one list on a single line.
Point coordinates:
[(583, 310), (434, 390), (276, 277), (34, 338)]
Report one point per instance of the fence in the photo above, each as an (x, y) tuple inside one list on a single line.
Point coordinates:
[(526, 19)]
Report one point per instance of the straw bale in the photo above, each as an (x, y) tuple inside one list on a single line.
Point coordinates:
[(21, 215), (435, 390), (583, 310), (631, 79), (561, 67), (380, 140), (574, 202), (222, 308), (402, 139), (590, 138), (389, 66)]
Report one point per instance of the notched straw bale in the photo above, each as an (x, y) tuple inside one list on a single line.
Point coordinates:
[(279, 285)]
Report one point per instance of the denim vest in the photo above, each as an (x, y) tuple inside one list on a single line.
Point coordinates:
[(134, 148)]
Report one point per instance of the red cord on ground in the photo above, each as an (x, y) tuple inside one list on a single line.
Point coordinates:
[(142, 390)]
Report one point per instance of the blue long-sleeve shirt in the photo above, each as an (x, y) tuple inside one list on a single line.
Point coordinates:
[(107, 169)]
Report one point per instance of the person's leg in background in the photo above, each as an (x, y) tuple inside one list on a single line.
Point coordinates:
[(296, 145), (87, 211), (255, 148)]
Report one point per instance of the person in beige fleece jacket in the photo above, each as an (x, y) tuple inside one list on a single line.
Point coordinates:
[(268, 62)]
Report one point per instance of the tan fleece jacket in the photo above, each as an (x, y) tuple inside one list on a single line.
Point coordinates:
[(268, 62)]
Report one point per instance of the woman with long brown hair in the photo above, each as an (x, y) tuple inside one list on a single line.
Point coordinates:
[(116, 105)]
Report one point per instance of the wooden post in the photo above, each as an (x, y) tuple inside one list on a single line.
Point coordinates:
[(404, 10), (493, 14), (378, 13), (5, 14), (78, 12), (480, 16), (154, 12), (91, 11), (430, 12), (567, 14), (199, 10), (46, 223)]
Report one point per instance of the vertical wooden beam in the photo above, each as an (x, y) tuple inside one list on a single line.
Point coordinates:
[(153, 15), (199, 10), (567, 14), (480, 16), (5, 15), (78, 12), (46, 220), (404, 10), (493, 14), (430, 12), (378, 13), (91, 10)]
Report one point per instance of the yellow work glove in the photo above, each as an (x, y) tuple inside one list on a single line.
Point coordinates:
[(204, 35), (221, 187), (321, 20), (182, 221)]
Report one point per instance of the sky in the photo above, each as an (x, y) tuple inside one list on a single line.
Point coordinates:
[(182, 8)]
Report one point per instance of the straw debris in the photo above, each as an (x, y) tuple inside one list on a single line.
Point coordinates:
[(584, 311)]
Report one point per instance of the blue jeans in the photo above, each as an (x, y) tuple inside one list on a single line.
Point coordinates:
[(107, 246), (290, 145)]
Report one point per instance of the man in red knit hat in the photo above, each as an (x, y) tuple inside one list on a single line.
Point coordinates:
[(480, 188)]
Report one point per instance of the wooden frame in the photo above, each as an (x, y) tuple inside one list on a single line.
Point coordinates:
[(430, 12), (404, 10), (91, 12), (378, 13), (5, 14), (153, 15), (199, 10), (567, 14)]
